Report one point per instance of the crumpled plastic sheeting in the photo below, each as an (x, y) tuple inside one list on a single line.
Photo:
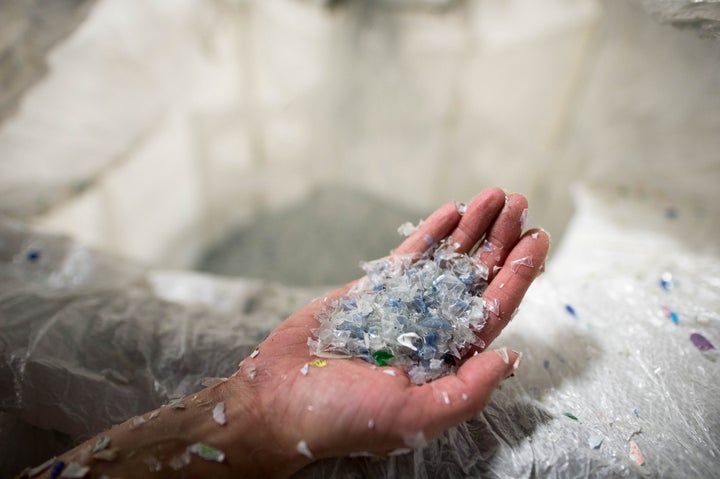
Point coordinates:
[(618, 365)]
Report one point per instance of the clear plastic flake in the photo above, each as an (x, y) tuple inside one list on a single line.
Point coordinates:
[(419, 313), (74, 471), (302, 448)]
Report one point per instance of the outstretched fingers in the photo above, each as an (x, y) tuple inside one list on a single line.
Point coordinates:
[(448, 401), (507, 289), (503, 234)]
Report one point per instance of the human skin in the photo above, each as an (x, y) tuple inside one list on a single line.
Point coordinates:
[(348, 406)]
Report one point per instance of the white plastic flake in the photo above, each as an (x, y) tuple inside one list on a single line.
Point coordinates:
[(74, 471), (419, 313), (219, 413), (302, 448), (304, 370), (406, 229)]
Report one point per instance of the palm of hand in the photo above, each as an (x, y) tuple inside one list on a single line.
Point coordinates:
[(352, 406)]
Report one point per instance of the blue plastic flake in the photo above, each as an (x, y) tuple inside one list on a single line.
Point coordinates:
[(419, 313), (57, 469), (636, 412), (33, 255), (667, 282), (671, 213), (546, 364), (674, 317), (571, 311)]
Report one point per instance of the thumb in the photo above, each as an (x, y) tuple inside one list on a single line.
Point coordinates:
[(453, 399)]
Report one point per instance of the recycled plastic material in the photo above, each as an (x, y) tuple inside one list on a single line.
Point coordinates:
[(88, 341)]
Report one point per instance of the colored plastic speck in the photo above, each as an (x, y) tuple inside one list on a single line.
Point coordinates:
[(571, 311), (671, 315), (635, 454), (382, 358), (33, 255), (671, 213), (102, 443), (207, 452), (304, 369), (636, 412), (571, 416), (546, 364), (177, 404), (701, 342), (57, 469), (667, 282), (318, 363)]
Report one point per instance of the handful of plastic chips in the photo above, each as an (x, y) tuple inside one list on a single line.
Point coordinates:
[(419, 313)]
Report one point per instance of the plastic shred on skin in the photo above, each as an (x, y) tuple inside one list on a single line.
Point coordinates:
[(180, 461), (303, 448), (524, 261), (206, 452), (417, 313), (74, 471), (219, 413)]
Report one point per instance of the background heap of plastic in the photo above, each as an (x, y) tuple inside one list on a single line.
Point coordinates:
[(420, 314), (87, 341)]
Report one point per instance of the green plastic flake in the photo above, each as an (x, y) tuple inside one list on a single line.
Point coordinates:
[(177, 405), (207, 452), (382, 358), (571, 416), (102, 443)]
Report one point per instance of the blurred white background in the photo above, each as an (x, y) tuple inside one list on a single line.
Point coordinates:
[(155, 129)]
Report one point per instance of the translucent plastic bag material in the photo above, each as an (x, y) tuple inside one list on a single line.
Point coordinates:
[(609, 366)]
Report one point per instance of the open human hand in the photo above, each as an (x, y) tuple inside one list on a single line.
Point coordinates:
[(276, 416), (350, 406)]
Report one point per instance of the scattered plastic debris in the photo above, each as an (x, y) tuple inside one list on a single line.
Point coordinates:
[(153, 463), (571, 311), (635, 454), (177, 404), (571, 416), (102, 443), (671, 213), (206, 452), (671, 315), (464, 397), (701, 342), (254, 353), (406, 229), (302, 448), (219, 413), (445, 397), (534, 235), (37, 470), (636, 412), (595, 440), (251, 371), (107, 454), (419, 313), (460, 207), (74, 471), (546, 364), (415, 440), (304, 370), (137, 422), (318, 363), (57, 468), (523, 218), (154, 415), (33, 255), (524, 261), (180, 461), (667, 281), (389, 372)]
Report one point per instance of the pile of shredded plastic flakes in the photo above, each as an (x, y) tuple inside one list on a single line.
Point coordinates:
[(419, 313)]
